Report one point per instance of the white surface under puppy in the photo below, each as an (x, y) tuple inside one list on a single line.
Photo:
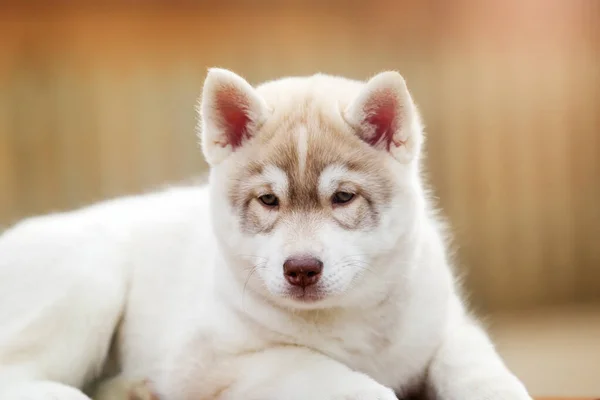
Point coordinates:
[(191, 285)]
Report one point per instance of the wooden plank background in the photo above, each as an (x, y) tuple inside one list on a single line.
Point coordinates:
[(97, 101)]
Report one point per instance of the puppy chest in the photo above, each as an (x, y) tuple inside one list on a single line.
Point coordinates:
[(394, 361)]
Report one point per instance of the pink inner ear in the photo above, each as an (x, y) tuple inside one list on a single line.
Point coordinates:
[(233, 110), (383, 114)]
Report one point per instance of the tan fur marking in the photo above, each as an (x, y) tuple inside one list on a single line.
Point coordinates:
[(327, 143)]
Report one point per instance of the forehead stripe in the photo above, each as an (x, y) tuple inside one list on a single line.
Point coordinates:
[(302, 148)]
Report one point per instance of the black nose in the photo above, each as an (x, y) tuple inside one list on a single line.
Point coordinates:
[(302, 271)]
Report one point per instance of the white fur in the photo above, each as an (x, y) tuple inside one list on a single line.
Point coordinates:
[(199, 309), (277, 178)]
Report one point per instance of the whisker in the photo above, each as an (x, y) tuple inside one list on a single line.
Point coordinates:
[(362, 268), (251, 256), (252, 271)]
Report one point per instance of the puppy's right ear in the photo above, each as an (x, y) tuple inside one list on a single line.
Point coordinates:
[(230, 112)]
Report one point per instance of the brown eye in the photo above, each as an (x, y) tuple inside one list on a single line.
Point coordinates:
[(342, 197), (269, 200)]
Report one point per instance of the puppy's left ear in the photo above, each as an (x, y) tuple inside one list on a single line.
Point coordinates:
[(385, 116)]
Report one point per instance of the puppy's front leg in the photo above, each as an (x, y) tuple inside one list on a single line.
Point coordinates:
[(284, 373), (467, 367)]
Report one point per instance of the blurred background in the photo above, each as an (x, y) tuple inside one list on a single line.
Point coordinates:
[(97, 100)]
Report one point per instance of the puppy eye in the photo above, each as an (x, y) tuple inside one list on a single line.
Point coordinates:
[(342, 197), (269, 200)]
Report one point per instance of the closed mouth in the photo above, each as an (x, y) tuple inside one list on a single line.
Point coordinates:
[(306, 295)]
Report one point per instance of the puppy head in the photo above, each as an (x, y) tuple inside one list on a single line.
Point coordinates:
[(314, 180)]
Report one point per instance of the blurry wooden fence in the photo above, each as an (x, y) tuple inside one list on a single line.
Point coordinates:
[(98, 101)]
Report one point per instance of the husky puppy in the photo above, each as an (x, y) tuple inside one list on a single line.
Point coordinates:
[(311, 266)]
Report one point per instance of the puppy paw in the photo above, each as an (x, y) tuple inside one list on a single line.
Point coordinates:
[(41, 390), (141, 391), (377, 392), (124, 389), (356, 387)]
